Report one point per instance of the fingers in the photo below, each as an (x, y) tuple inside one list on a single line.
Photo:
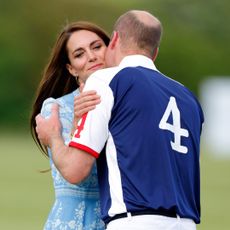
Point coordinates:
[(81, 107), (86, 99), (48, 128), (87, 93), (80, 113), (38, 118), (85, 102), (87, 96)]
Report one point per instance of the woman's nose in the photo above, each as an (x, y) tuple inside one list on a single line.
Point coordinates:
[(92, 56)]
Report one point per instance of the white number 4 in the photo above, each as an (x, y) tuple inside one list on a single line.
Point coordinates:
[(175, 127)]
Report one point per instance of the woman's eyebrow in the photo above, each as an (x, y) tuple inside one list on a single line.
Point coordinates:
[(91, 44), (76, 50)]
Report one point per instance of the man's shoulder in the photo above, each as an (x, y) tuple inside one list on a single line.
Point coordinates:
[(104, 75), (103, 72)]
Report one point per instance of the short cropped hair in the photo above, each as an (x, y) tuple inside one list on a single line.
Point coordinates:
[(134, 33)]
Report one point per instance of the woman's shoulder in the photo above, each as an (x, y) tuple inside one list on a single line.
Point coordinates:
[(68, 98), (63, 102)]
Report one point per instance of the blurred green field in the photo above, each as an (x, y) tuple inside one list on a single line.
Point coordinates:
[(27, 195)]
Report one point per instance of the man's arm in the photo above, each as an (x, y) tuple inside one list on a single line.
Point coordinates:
[(74, 164)]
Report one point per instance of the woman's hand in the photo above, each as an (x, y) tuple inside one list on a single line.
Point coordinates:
[(83, 103)]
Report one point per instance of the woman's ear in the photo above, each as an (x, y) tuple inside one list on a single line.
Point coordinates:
[(114, 40), (71, 70)]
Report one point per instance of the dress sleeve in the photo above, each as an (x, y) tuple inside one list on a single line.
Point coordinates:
[(65, 115), (46, 107)]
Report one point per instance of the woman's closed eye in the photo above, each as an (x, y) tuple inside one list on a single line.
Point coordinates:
[(97, 46), (78, 54)]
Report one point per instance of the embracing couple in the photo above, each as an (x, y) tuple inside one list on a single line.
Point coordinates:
[(122, 138)]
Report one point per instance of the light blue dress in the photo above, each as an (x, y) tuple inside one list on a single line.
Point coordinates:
[(76, 206)]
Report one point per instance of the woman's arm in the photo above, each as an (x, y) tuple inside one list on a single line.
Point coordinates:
[(83, 103)]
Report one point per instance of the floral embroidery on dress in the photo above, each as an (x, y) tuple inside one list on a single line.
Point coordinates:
[(76, 207)]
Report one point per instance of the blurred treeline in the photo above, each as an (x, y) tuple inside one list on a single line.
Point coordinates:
[(195, 43)]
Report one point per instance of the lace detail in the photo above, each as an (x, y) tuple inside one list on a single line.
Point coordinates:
[(76, 205), (77, 221)]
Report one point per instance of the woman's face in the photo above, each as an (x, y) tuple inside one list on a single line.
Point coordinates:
[(86, 52)]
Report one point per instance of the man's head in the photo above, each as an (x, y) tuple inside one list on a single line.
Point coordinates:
[(135, 32)]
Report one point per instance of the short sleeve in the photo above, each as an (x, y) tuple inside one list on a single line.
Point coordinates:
[(65, 115), (92, 131), (46, 107)]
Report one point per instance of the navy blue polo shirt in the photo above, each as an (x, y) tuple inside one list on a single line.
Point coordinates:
[(146, 136)]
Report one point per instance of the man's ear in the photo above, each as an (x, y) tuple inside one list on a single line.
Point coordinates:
[(114, 40), (155, 54)]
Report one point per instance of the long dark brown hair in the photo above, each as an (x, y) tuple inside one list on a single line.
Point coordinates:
[(56, 80)]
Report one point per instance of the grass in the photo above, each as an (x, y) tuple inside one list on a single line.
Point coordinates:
[(27, 195), (215, 193)]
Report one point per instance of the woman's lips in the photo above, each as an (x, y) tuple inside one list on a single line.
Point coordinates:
[(97, 66)]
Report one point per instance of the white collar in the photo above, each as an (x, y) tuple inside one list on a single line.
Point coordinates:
[(137, 60)]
